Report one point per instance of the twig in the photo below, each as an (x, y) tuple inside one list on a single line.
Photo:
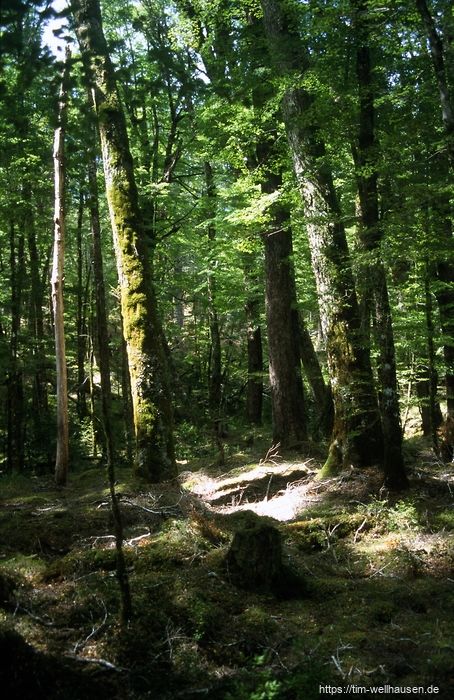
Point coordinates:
[(98, 662), (39, 619), (272, 452), (268, 488), (94, 631), (137, 539), (165, 510), (359, 530)]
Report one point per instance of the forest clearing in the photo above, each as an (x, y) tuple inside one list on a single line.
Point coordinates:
[(226, 349)]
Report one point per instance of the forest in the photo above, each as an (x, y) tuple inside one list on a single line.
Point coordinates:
[(226, 349)]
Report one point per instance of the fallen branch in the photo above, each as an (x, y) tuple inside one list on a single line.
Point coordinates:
[(99, 662)]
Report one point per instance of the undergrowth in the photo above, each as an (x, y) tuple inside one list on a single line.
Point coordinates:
[(378, 606)]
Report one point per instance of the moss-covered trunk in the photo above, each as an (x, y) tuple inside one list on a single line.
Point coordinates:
[(141, 324), (356, 436)]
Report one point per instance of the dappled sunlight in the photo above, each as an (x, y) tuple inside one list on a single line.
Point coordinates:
[(281, 491)]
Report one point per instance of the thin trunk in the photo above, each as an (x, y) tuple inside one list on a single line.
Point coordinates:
[(106, 390), (435, 417), (128, 416), (80, 319), (215, 359), (142, 328), (320, 391), (62, 457), (437, 53), (445, 296), (39, 397), (254, 388), (357, 438), (444, 288), (14, 380)]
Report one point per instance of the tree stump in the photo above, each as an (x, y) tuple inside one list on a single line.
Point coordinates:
[(254, 560)]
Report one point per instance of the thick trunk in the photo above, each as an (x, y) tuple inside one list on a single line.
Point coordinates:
[(370, 232), (149, 381), (287, 393), (289, 416), (357, 436), (104, 370), (62, 457)]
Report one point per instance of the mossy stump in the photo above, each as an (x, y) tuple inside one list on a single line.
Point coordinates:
[(254, 561)]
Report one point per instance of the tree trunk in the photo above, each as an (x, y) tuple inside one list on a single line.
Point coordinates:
[(14, 379), (62, 458), (149, 381), (320, 391), (40, 404), (445, 296), (287, 393), (289, 413), (370, 232), (81, 321), (215, 360), (437, 53), (254, 388), (357, 438), (106, 390)]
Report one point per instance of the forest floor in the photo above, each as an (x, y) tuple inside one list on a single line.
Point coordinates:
[(376, 608)]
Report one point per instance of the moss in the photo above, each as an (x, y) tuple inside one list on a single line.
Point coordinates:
[(317, 533), (444, 519), (81, 562), (333, 463)]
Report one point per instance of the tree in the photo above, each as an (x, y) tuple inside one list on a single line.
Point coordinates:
[(106, 387), (366, 156), (445, 268), (149, 382), (62, 458), (357, 436)]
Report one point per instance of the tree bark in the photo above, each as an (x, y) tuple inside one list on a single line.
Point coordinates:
[(371, 234), (62, 457), (320, 391), (254, 387), (437, 54), (143, 333), (445, 296), (289, 413), (357, 438), (215, 359), (81, 321), (106, 390), (14, 379)]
